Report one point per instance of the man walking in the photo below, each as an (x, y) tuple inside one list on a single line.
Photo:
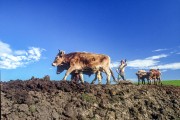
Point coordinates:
[(121, 69)]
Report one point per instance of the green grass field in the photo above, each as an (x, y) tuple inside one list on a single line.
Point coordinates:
[(167, 82), (171, 82)]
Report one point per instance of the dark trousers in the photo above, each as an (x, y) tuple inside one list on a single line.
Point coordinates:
[(121, 75)]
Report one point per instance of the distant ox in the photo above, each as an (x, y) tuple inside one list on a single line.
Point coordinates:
[(142, 75), (83, 61), (155, 75), (152, 75)]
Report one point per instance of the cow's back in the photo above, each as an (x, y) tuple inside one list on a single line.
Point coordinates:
[(88, 59), (155, 73)]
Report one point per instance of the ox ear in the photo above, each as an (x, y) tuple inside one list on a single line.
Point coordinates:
[(61, 53)]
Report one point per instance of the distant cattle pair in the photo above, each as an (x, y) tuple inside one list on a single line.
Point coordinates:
[(153, 75), (84, 63)]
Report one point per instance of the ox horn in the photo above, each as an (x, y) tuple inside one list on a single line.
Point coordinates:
[(59, 50)]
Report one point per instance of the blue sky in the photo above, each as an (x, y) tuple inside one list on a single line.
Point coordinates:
[(145, 32)]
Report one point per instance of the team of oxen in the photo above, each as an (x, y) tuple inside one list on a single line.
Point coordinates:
[(79, 63), (152, 76)]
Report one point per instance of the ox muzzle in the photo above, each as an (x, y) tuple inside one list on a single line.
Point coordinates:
[(54, 64)]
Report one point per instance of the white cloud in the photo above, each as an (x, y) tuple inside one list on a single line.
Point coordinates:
[(172, 66), (149, 63), (20, 52), (164, 70), (34, 53), (157, 57), (10, 59), (146, 63), (5, 48), (158, 50), (178, 53), (114, 64), (174, 52), (142, 64), (137, 64)]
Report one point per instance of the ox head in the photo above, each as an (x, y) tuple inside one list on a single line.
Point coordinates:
[(139, 75), (60, 69), (142, 74), (59, 59)]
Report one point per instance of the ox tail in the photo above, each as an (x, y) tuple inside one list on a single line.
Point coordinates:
[(113, 75)]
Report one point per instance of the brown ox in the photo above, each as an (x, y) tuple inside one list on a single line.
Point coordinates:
[(83, 61), (155, 75), (142, 75)]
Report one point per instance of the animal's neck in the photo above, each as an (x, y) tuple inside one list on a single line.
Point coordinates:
[(66, 60)]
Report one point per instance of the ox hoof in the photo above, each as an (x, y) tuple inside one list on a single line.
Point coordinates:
[(108, 83), (92, 82)]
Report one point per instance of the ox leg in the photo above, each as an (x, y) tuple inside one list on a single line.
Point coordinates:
[(148, 81), (154, 81), (160, 81), (144, 81), (68, 72), (73, 77), (94, 80), (81, 77), (108, 73), (138, 81), (151, 81), (99, 76), (157, 81)]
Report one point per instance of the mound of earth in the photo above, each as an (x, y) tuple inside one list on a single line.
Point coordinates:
[(42, 99)]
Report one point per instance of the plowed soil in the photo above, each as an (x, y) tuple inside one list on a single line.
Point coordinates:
[(40, 99)]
